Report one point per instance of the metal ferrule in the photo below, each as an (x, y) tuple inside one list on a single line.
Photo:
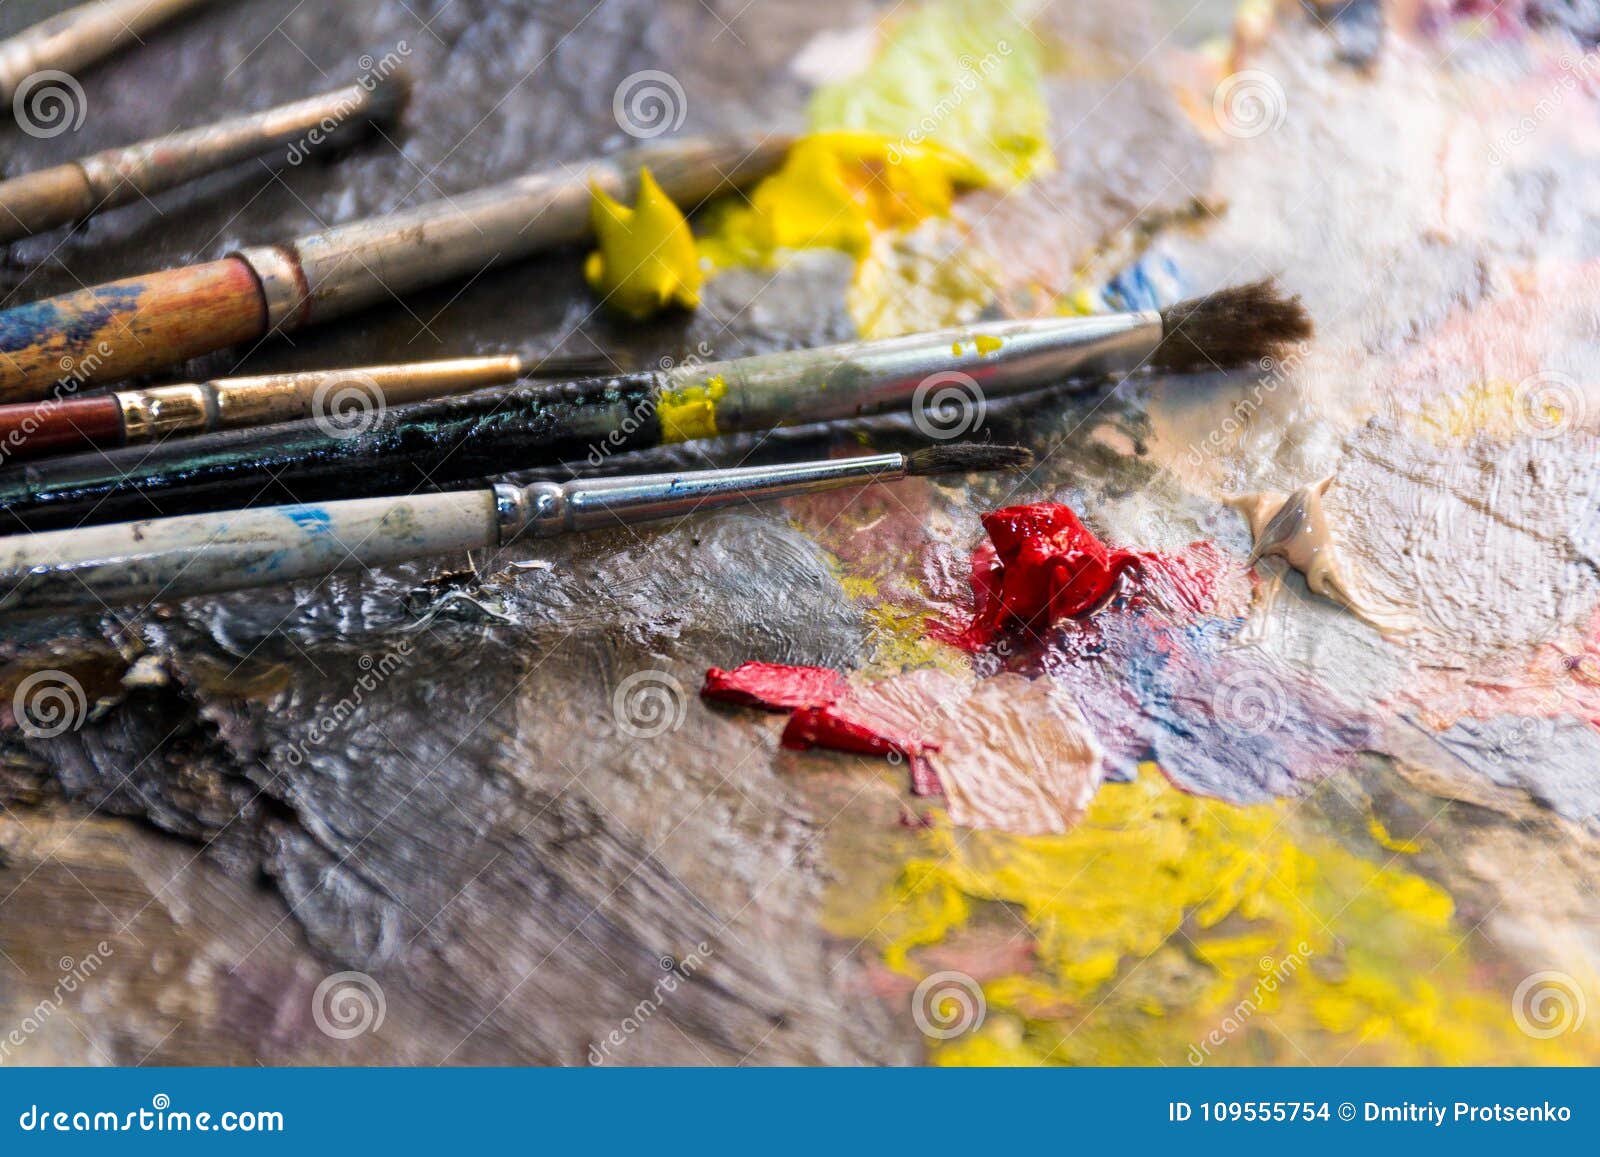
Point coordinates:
[(118, 176), (968, 364), (231, 403), (79, 36), (351, 266), (546, 509), (149, 415)]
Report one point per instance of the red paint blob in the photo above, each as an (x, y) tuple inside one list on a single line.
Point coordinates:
[(1040, 565), (774, 686)]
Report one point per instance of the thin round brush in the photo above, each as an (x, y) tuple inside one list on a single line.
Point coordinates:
[(174, 558), (503, 429), (69, 40), (32, 430), (128, 327), (80, 189)]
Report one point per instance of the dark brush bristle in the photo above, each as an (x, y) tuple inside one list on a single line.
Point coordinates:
[(390, 96), (967, 458), (1231, 327)]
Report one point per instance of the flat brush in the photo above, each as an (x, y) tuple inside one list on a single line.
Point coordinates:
[(341, 397), (173, 558), (80, 189), (79, 36), (949, 374), (144, 323)]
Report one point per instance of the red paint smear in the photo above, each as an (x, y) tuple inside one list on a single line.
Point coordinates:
[(774, 686), (1042, 566), (818, 718)]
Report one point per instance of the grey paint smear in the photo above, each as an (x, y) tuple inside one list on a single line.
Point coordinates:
[(1556, 761)]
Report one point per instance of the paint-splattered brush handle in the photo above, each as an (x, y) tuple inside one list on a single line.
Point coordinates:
[(38, 201), (103, 566), (79, 36), (129, 327), (168, 558)]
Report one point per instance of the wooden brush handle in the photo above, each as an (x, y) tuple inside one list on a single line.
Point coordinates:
[(127, 327), (172, 558), (35, 429)]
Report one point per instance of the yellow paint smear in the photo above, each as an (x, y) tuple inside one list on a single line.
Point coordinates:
[(647, 259), (1166, 928), (691, 412), (1498, 409)]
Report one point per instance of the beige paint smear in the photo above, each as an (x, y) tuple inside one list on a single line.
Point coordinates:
[(1295, 528), (1019, 757)]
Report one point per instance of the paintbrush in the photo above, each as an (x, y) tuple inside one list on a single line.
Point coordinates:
[(80, 189), (30, 430), (79, 36), (171, 558), (143, 323), (944, 378)]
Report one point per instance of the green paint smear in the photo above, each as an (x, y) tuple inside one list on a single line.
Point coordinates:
[(967, 75)]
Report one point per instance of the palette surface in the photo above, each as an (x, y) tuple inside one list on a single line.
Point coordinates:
[(1297, 761)]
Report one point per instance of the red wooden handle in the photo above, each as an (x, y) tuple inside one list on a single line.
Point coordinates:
[(36, 429), (127, 327)]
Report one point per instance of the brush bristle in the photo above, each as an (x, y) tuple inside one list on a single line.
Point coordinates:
[(390, 97), (967, 458), (1231, 327)]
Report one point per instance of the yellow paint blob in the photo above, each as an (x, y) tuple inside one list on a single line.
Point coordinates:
[(1167, 928), (1498, 409), (691, 412), (647, 259), (836, 190)]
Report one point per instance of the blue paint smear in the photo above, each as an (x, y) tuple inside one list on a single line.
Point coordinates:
[(1152, 282), (311, 519), (1221, 720), (44, 321)]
